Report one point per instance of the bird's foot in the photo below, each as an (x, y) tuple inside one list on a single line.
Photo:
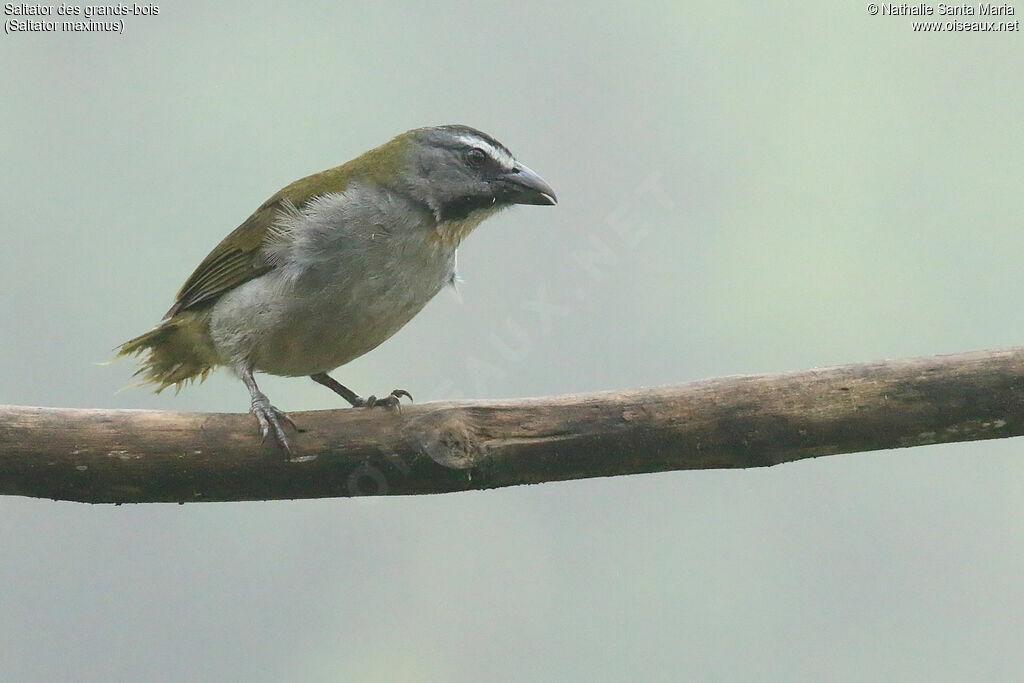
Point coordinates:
[(271, 419), (392, 400)]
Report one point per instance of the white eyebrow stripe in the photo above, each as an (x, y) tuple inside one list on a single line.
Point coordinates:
[(496, 153)]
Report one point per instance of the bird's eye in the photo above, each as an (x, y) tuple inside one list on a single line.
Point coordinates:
[(476, 157)]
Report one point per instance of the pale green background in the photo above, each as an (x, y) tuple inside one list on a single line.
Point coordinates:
[(842, 189)]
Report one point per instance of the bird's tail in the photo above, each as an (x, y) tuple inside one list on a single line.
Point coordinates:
[(174, 352)]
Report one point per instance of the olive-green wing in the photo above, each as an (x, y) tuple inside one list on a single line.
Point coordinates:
[(236, 260), (242, 255)]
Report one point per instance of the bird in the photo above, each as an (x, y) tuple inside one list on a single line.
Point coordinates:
[(333, 265)]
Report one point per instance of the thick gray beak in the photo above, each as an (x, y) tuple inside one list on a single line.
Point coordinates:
[(522, 186)]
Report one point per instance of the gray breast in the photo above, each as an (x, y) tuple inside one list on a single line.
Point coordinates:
[(357, 267)]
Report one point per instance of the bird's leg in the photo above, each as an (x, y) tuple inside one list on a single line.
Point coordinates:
[(269, 417), (357, 401)]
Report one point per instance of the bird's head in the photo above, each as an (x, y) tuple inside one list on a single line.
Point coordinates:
[(462, 174)]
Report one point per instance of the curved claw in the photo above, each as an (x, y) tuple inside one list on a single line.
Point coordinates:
[(392, 400), (270, 418)]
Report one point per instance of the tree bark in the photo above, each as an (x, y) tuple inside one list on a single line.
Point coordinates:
[(136, 456)]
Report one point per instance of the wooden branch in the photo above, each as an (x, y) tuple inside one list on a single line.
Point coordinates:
[(136, 456)]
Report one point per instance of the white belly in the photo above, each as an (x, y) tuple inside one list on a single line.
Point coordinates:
[(351, 292)]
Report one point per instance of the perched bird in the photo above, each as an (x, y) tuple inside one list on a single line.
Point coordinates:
[(334, 264)]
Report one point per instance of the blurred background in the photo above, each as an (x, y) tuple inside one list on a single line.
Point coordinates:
[(743, 189)]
